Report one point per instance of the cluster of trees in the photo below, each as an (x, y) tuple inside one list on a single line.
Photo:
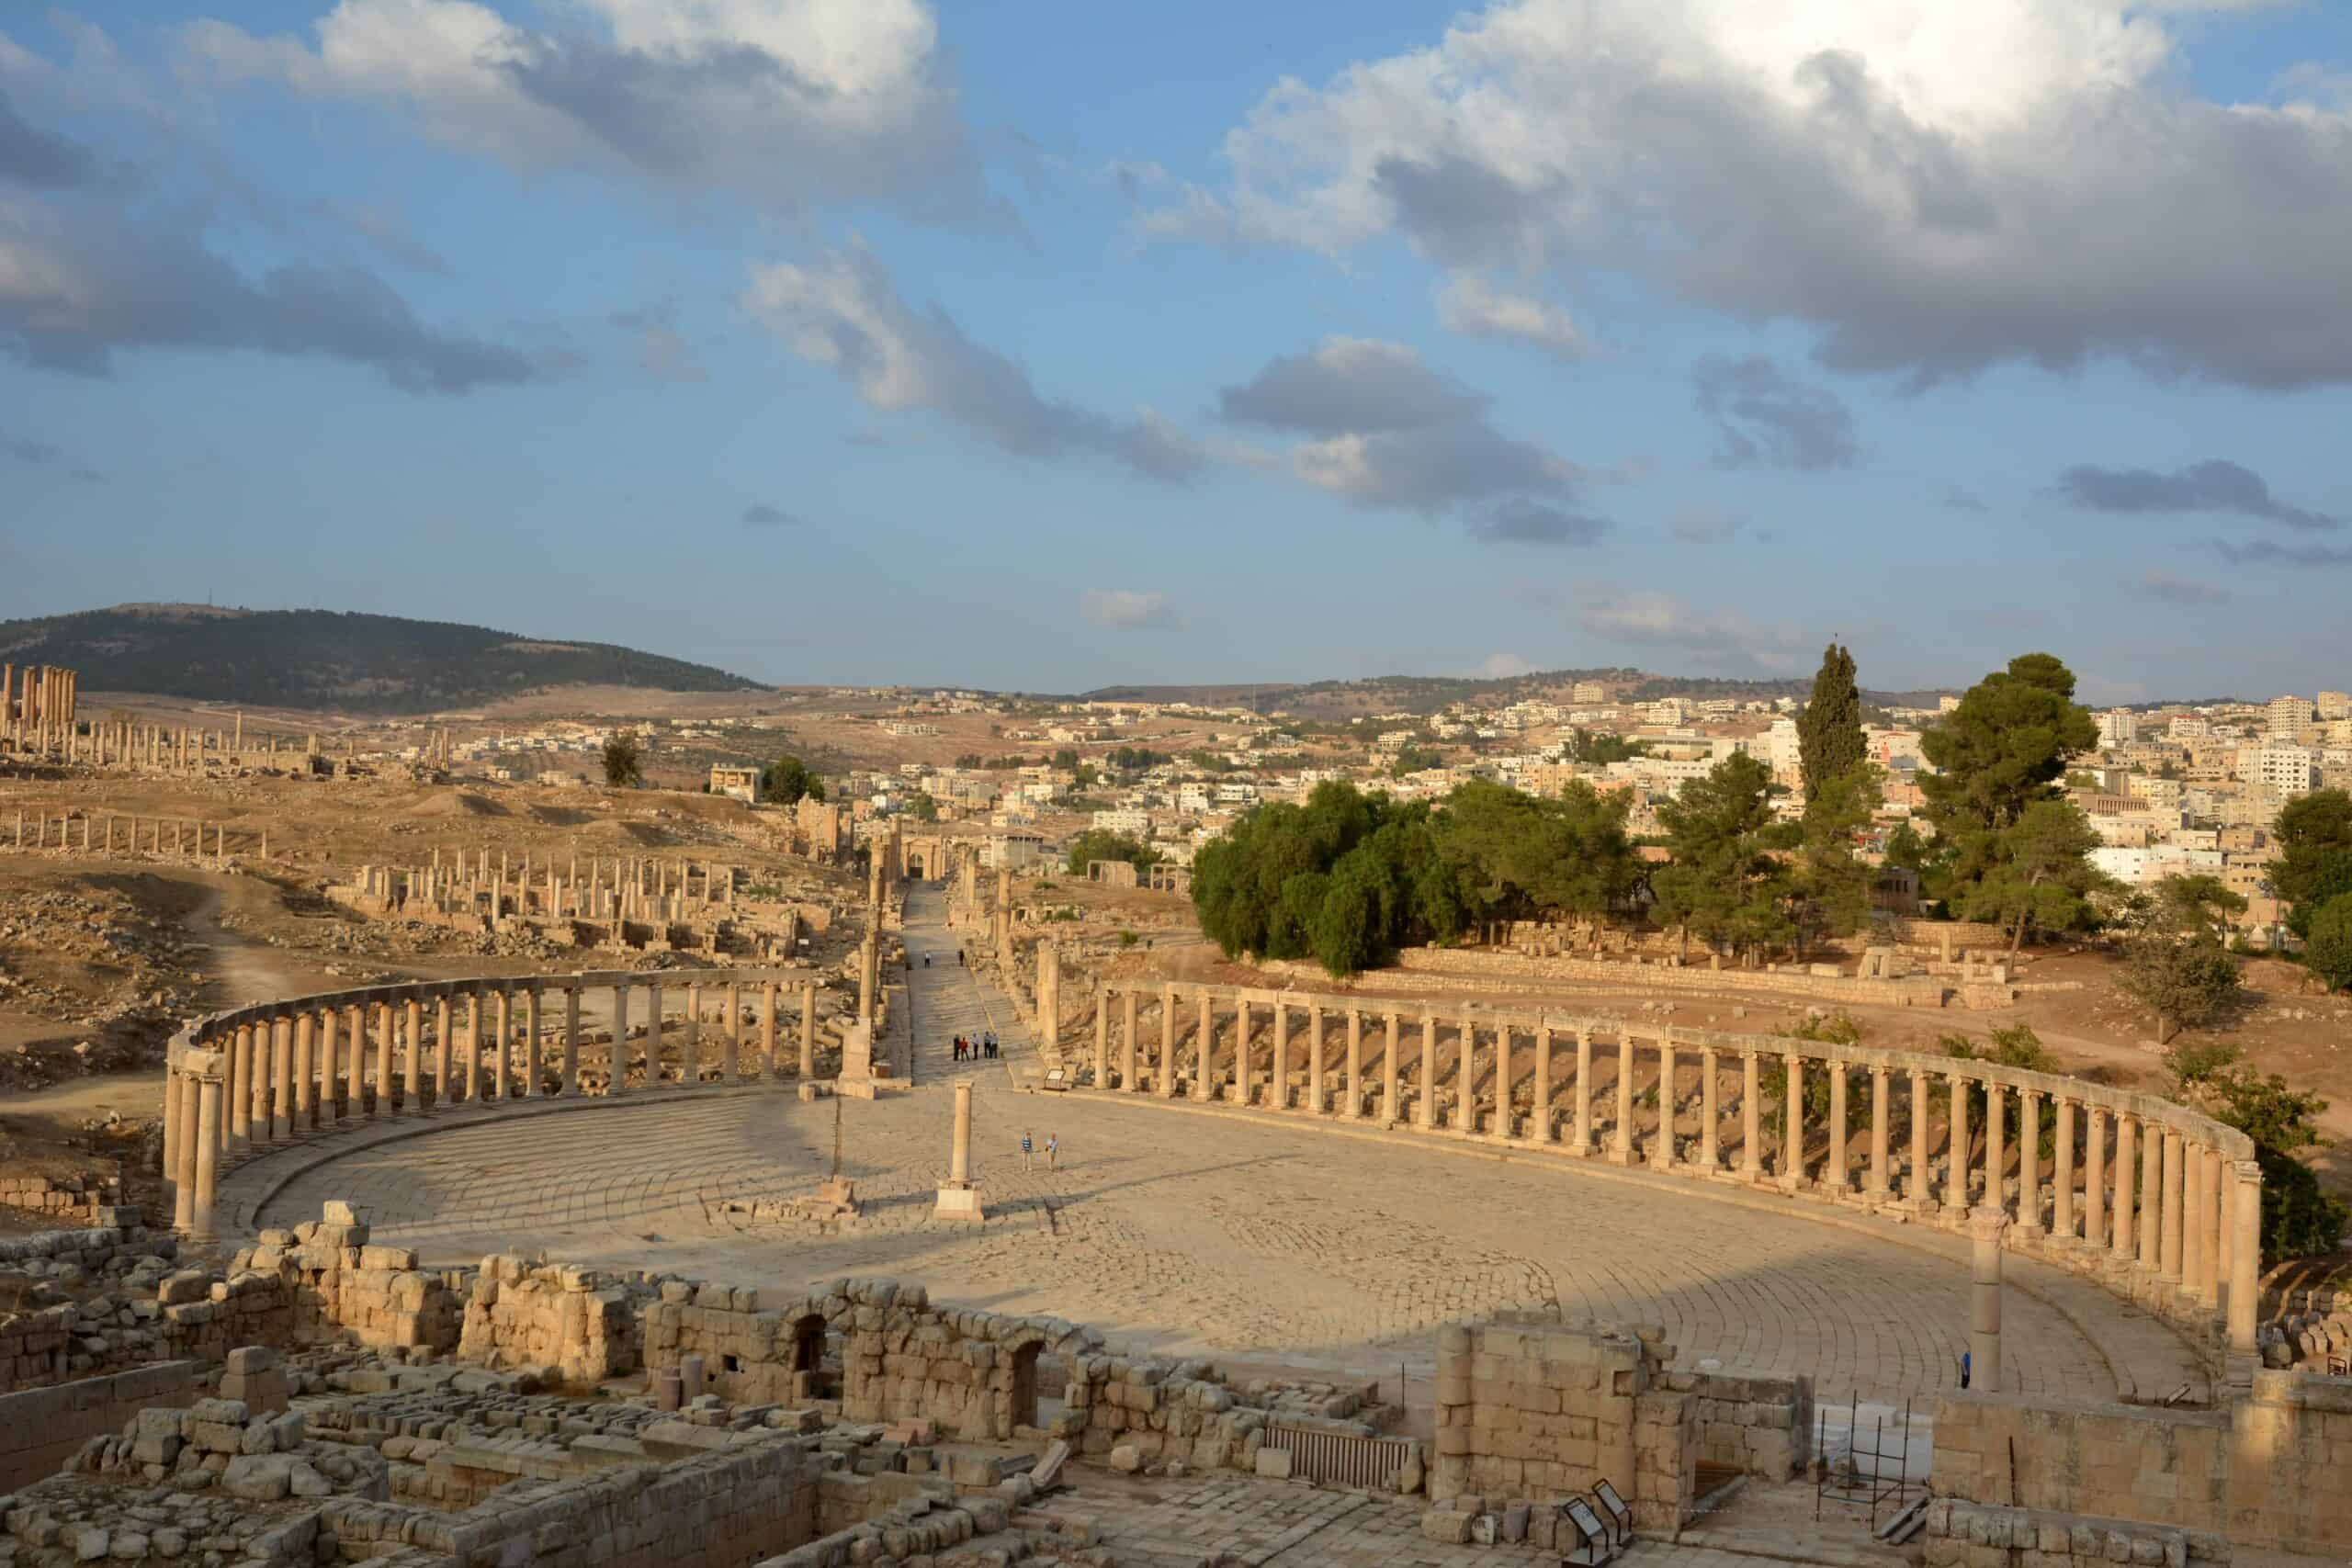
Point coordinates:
[(1101, 843), (2313, 872), (1137, 759), (1600, 749), (624, 760), (2300, 1218), (788, 781), (1348, 878)]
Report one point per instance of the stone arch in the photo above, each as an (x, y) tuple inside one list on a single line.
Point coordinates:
[(1022, 1388), (808, 1333)]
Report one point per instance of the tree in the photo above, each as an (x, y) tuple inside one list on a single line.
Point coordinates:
[(2191, 905), (787, 781), (2183, 980), (1101, 843), (1724, 881), (1833, 882), (2314, 865), (2299, 1219), (2001, 751), (923, 808), (624, 761), (2039, 873), (1519, 857), (1603, 748), (2327, 951), (1829, 731)]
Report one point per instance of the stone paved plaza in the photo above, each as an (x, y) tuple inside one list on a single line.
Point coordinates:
[(1217, 1231)]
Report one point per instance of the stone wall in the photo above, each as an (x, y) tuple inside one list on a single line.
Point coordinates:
[(568, 1319), (74, 1195), (1979, 1534), (1915, 990), (41, 1428), (2268, 1471)]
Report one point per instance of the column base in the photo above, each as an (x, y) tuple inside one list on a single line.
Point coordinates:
[(960, 1203), (1580, 1147), (1621, 1156)]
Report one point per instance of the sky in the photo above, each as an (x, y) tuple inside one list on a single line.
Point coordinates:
[(1051, 345)]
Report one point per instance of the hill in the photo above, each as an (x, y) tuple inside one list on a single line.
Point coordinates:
[(328, 659), (1341, 700)]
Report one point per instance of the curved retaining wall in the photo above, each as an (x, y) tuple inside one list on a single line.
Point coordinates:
[(244, 1079), (2160, 1204)]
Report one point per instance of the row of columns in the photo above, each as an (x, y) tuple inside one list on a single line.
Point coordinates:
[(149, 833), (2168, 1210), (278, 1073)]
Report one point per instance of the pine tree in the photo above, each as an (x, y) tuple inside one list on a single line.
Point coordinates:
[(1830, 732)]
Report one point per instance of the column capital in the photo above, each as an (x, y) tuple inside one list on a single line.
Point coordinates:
[(1986, 1223), (2247, 1170)]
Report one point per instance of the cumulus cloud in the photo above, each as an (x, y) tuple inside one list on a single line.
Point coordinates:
[(1386, 430), (1505, 667), (845, 313), (2213, 485), (2172, 588), (1126, 607), (1522, 522), (78, 284), (1470, 305), (760, 515), (1765, 418), (1934, 188), (37, 158), (657, 345), (1724, 638), (785, 102)]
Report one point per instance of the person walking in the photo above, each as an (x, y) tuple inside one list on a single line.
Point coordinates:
[(1963, 1369), (1027, 1149), (1053, 1147)]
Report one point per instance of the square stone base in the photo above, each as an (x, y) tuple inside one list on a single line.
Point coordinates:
[(959, 1203)]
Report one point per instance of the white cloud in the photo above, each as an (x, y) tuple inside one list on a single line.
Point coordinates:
[(1504, 666), (1126, 607), (785, 102), (1470, 305), (845, 311), (1723, 638), (1936, 187)]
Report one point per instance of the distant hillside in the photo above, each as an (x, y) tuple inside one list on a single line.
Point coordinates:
[(1427, 693), (321, 658)]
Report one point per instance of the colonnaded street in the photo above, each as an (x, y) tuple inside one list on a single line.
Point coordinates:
[(1210, 1230)]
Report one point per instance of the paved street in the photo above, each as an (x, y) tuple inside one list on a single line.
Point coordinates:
[(1223, 1232)]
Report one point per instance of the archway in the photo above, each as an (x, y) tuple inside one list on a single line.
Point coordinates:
[(1024, 1385), (809, 1358)]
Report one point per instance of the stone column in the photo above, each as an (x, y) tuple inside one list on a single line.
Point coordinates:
[(2245, 1247), (1166, 1086), (1391, 1102), (1425, 1109), (1835, 1175), (572, 1036), (413, 1070), (1278, 1089), (2093, 1174), (2168, 1237), (1540, 1091), (690, 1039), (1919, 1100), (1313, 1106), (241, 1086), (2219, 1178), (1128, 1054), (730, 1061), (1581, 1143), (1465, 1075), (1984, 1227), (383, 1059), (303, 1108), (2152, 1194), (1956, 1149), (1204, 1048), (2028, 1162), (1710, 1155), (1620, 1144), (445, 1051), (202, 1224), (2194, 1240), (503, 1046), (620, 1084), (354, 1026), (1792, 1119), (767, 1029), (1355, 1066), (184, 1151), (2127, 1164), (173, 1143), (1662, 1151), (2061, 1202), (1101, 1035), (959, 1160), (869, 975), (470, 1069), (1997, 1156), (654, 1023), (808, 1031), (1880, 1185), (530, 1079), (1751, 1142)]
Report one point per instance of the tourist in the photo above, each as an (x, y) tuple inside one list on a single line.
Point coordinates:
[(1026, 1148), (1053, 1147), (1963, 1369)]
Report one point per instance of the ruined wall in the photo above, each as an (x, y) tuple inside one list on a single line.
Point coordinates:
[(1425, 963), (2267, 1471), (568, 1319), (41, 1428)]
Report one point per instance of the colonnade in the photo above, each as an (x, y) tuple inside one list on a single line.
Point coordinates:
[(156, 835), (260, 1075), (2160, 1202), (36, 711)]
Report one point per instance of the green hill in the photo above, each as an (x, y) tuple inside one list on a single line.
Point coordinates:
[(321, 659)]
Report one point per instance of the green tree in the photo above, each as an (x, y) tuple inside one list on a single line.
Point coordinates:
[(2000, 752), (2187, 905), (1725, 882), (1066, 759), (2300, 1218), (1602, 749), (1829, 731), (2313, 835), (1517, 857), (2327, 951), (2183, 980), (1101, 843), (624, 760), (923, 808), (787, 781), (2039, 873), (1833, 880), (1413, 760)]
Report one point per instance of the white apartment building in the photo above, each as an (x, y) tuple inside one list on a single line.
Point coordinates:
[(1236, 793), (2285, 716), (2281, 770), (2162, 795), (1784, 750), (1132, 820), (2333, 706), (2118, 727), (1588, 691), (1193, 797)]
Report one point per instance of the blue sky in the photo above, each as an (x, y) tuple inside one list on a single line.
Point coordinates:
[(1052, 346)]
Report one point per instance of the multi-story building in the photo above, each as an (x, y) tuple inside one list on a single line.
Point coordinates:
[(2335, 705), (1588, 691), (2118, 727), (2162, 795), (2285, 716), (2282, 770), (1132, 820), (1784, 750)]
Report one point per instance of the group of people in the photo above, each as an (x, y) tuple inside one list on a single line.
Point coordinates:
[(970, 1050), (1029, 1150)]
